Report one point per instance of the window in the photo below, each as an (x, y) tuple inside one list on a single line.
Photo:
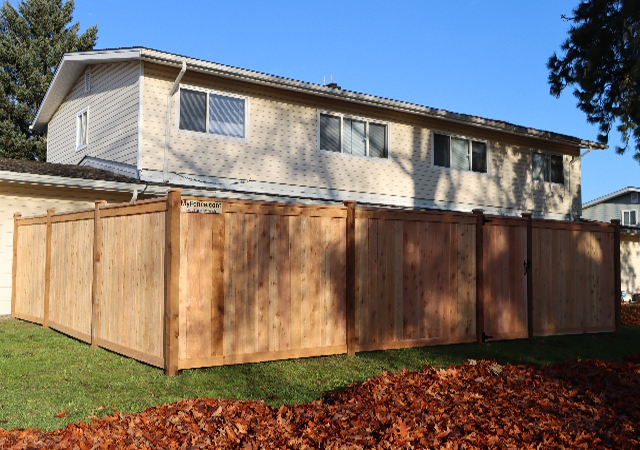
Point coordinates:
[(459, 153), (353, 136), (630, 218), (547, 167), (213, 113), (82, 122), (87, 81)]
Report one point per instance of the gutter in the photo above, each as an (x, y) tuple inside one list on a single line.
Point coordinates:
[(167, 134)]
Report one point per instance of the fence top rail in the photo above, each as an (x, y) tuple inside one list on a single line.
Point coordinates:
[(506, 221), (70, 216), (228, 201), (574, 226), (415, 215), (33, 220), (132, 204), (273, 208)]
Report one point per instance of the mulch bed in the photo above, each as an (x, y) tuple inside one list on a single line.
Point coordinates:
[(575, 404), (630, 315)]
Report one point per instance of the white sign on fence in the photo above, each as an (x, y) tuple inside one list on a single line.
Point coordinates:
[(199, 206)]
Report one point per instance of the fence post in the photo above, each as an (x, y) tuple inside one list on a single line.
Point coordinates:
[(529, 218), (14, 269), (47, 271), (98, 275), (616, 273), (479, 274), (171, 285), (351, 278)]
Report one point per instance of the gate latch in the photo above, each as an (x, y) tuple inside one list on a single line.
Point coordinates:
[(527, 266)]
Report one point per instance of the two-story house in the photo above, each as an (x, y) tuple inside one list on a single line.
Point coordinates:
[(161, 117)]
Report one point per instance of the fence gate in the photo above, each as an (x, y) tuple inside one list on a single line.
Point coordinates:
[(505, 279)]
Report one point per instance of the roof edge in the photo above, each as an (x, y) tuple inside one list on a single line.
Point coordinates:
[(614, 194), (83, 59), (171, 59)]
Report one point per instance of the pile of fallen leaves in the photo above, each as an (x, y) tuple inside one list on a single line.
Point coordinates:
[(588, 404), (630, 314)]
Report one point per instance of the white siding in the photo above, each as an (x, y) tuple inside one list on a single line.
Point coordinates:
[(282, 150), (34, 200), (113, 117), (630, 263)]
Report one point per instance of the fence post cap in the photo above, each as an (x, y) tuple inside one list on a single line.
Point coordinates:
[(349, 202), (615, 221), (16, 215), (478, 211), (177, 190), (51, 210), (527, 215), (100, 202)]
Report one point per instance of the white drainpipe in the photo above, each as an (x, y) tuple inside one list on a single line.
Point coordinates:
[(574, 159), (167, 133)]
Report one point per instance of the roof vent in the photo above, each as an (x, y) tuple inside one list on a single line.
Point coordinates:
[(87, 81), (634, 197), (331, 85)]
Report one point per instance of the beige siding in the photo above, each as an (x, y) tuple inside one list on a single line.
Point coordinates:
[(282, 150), (113, 117), (29, 201), (630, 263)]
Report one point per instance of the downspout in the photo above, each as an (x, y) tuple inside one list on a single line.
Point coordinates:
[(167, 133), (574, 159)]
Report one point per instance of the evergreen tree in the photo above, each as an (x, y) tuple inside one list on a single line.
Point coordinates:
[(33, 40), (602, 61)]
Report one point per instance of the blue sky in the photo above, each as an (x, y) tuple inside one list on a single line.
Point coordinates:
[(485, 58)]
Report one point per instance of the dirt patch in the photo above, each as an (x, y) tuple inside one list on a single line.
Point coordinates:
[(476, 405)]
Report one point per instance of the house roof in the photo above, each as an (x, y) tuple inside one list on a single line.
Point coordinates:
[(61, 170), (611, 196), (73, 64)]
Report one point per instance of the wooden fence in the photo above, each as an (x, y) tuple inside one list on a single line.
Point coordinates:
[(265, 281)]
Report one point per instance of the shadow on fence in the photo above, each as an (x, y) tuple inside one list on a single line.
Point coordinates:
[(265, 281)]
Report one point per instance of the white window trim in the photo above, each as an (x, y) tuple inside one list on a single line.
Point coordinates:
[(78, 115), (459, 136), (629, 211), (206, 134), (551, 183), (367, 121)]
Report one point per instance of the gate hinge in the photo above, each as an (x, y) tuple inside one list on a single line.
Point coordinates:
[(485, 220), (485, 336), (527, 266)]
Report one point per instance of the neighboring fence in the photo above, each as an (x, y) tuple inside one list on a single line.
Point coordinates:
[(263, 281)]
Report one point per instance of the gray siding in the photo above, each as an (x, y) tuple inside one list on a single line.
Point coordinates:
[(611, 209), (113, 103)]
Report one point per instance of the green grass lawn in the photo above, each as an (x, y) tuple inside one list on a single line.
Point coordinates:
[(43, 372)]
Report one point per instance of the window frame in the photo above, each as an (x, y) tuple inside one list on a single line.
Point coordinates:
[(628, 211), (432, 150), (79, 115), (564, 165), (367, 121), (206, 133)]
